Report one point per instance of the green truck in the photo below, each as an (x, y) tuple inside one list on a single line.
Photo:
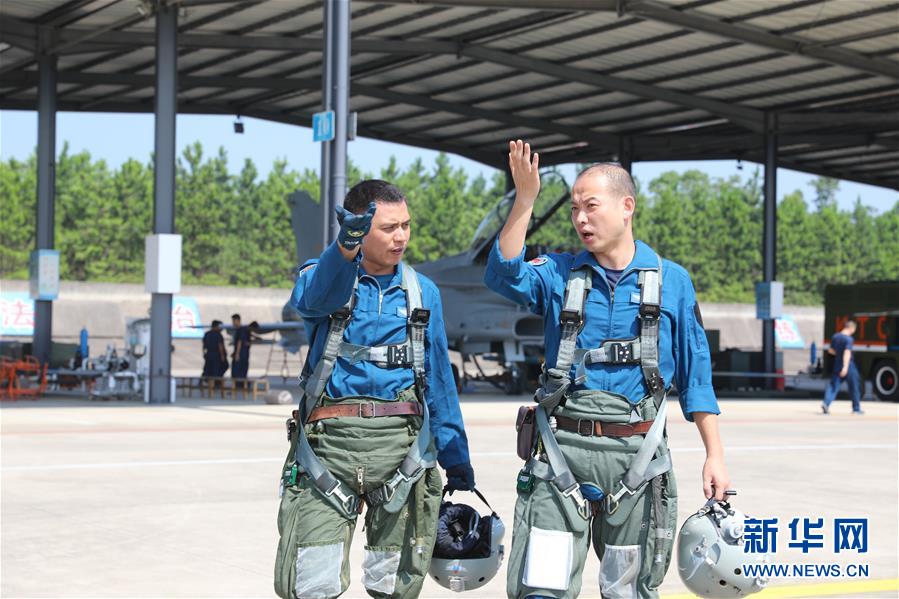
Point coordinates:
[(875, 307)]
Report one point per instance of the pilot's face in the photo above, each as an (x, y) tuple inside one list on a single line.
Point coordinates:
[(386, 242), (599, 214)]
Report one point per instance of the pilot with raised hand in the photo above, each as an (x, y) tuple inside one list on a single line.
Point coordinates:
[(379, 410), (621, 326)]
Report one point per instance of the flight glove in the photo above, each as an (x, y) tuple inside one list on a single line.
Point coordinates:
[(460, 478), (353, 227)]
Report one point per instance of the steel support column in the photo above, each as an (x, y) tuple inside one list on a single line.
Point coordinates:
[(339, 46), (325, 175), (164, 193), (46, 189), (769, 237)]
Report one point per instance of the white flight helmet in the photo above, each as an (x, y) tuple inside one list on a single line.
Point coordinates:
[(468, 551), (710, 556)]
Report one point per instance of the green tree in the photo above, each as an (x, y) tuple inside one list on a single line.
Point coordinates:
[(18, 197)]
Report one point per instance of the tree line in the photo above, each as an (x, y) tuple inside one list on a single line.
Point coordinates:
[(236, 226)]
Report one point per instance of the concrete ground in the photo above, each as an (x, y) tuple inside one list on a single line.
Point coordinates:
[(109, 499)]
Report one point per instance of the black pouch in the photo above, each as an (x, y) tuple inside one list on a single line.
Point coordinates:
[(526, 425)]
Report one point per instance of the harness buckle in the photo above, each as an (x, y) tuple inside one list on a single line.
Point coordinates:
[(397, 355), (583, 431), (420, 316), (349, 502), (371, 410), (583, 506), (571, 317), (650, 311), (621, 352), (341, 314)]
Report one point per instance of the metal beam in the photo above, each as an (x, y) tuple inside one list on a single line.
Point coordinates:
[(553, 5), (19, 33), (166, 110), (509, 118), (184, 82), (749, 118), (695, 21), (46, 191), (135, 39)]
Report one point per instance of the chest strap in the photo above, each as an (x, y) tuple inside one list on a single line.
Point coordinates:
[(366, 410)]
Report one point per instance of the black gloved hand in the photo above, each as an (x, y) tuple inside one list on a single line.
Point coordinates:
[(460, 478), (353, 227)]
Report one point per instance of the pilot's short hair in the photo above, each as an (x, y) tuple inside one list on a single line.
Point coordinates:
[(235, 317), (616, 175), (371, 190)]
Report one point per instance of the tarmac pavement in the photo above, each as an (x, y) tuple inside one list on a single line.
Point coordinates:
[(120, 499)]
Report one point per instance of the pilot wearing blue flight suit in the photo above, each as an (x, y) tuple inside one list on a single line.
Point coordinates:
[(621, 326), (379, 405)]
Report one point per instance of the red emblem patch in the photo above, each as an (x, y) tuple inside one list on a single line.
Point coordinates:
[(538, 261)]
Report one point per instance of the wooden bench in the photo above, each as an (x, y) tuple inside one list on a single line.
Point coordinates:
[(225, 386)]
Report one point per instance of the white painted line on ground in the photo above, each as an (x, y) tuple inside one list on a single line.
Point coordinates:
[(485, 454), (805, 447), (54, 467)]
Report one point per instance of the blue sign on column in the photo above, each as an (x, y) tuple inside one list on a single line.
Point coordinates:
[(323, 126)]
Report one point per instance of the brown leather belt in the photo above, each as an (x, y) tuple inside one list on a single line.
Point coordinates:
[(595, 428), (366, 410)]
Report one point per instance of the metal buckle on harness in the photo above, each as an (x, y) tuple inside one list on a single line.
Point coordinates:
[(382, 494), (571, 317), (420, 316), (585, 432), (349, 502), (656, 383), (652, 311), (397, 355), (620, 352), (371, 410), (342, 314), (583, 506), (613, 502)]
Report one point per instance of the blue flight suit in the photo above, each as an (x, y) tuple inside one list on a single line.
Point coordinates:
[(380, 318), (683, 348)]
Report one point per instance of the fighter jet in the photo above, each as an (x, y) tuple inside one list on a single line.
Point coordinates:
[(480, 324)]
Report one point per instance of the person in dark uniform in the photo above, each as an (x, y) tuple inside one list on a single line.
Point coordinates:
[(215, 357), (240, 359), (844, 369)]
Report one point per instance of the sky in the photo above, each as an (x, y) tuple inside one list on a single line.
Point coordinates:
[(118, 137)]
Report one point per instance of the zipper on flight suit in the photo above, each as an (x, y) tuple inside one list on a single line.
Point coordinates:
[(360, 478)]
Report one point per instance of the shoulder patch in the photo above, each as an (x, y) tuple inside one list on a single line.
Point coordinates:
[(698, 314), (306, 269), (538, 261)]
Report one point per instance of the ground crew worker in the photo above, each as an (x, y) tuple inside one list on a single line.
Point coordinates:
[(215, 358), (621, 325), (240, 359), (379, 406)]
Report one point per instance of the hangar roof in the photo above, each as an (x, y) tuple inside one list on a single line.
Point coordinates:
[(583, 80)]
